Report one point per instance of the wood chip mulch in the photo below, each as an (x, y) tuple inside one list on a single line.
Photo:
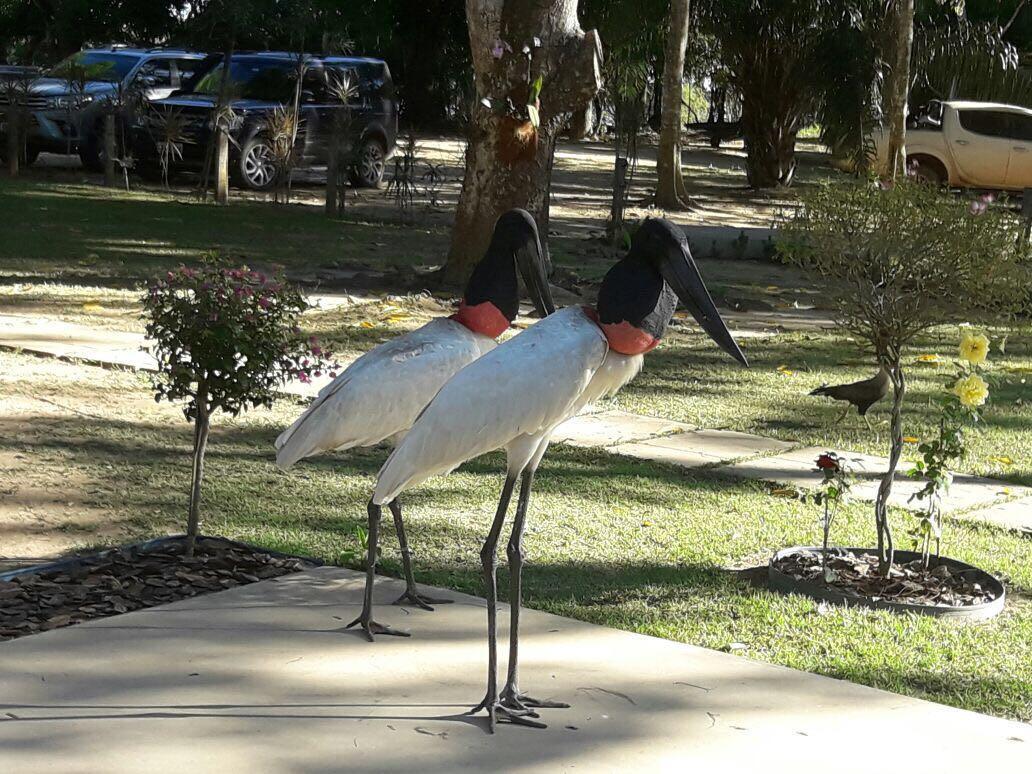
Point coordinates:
[(857, 574), (124, 580)]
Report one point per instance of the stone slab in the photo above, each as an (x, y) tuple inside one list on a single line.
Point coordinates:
[(697, 448), (608, 428), (797, 468), (261, 679), (98, 346), (1016, 515)]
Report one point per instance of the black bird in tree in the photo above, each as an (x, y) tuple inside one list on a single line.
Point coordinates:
[(862, 394)]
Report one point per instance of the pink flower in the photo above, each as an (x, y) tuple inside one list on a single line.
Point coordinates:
[(498, 49), (264, 303), (303, 377), (333, 374), (978, 207), (317, 351)]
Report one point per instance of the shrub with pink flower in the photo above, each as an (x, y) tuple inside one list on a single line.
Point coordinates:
[(225, 340)]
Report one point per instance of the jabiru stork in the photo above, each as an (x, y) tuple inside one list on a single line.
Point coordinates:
[(379, 396), (516, 395)]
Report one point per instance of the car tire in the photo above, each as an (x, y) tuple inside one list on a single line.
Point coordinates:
[(370, 165), (928, 171), (256, 164)]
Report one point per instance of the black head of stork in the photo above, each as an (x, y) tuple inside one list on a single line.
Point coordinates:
[(639, 294), (492, 298)]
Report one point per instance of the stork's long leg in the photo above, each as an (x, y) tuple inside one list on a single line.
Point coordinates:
[(511, 695), (369, 626), (411, 595), (489, 563)]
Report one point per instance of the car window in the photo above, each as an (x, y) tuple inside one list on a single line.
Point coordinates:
[(95, 66), (1020, 126), (313, 86), (166, 73), (265, 80), (991, 123)]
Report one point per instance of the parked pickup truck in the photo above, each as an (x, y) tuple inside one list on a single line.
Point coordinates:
[(969, 145)]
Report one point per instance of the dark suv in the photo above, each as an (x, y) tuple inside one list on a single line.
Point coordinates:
[(66, 105), (262, 83)]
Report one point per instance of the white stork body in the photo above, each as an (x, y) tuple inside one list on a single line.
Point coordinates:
[(513, 397), (379, 396)]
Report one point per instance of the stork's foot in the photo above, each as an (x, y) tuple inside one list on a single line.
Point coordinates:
[(413, 597), (371, 628), (515, 699), (499, 712)]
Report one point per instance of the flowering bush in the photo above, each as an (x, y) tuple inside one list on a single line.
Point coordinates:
[(833, 492), (224, 340), (901, 260), (959, 406)]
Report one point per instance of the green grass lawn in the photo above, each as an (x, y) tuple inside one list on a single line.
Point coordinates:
[(612, 540), (64, 229)]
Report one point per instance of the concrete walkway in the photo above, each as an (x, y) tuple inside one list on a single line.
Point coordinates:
[(261, 679), (658, 440)]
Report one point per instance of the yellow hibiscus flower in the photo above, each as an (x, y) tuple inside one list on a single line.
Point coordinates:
[(974, 347), (972, 390)]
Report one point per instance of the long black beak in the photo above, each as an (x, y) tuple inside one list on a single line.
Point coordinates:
[(682, 275), (530, 260)]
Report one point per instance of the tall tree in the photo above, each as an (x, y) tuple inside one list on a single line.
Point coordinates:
[(897, 83), (670, 189), (534, 68)]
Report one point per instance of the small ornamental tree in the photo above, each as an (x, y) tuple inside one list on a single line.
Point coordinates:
[(225, 339), (900, 259)]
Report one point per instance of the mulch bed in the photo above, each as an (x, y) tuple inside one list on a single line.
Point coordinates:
[(857, 575), (127, 579)]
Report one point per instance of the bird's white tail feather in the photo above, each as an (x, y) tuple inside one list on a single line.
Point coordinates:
[(307, 436)]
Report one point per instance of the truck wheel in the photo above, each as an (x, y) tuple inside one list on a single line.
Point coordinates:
[(928, 171), (369, 168)]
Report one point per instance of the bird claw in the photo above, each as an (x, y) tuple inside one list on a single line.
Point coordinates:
[(422, 601), (371, 627), (499, 712), (516, 699)]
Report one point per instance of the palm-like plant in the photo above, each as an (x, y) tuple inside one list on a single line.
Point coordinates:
[(168, 129)]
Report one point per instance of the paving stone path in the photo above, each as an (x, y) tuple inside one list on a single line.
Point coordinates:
[(262, 678), (731, 453)]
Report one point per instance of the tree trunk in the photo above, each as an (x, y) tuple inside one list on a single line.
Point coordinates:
[(770, 121), (508, 161), (201, 428), (109, 150), (671, 193), (881, 506), (897, 85), (221, 165), (13, 119)]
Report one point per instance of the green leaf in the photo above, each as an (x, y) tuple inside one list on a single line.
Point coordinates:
[(535, 89), (535, 117)]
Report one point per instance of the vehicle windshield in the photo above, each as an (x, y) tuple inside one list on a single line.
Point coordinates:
[(270, 81), (94, 66)]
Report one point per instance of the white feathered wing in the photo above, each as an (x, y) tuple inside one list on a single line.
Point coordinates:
[(380, 395)]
